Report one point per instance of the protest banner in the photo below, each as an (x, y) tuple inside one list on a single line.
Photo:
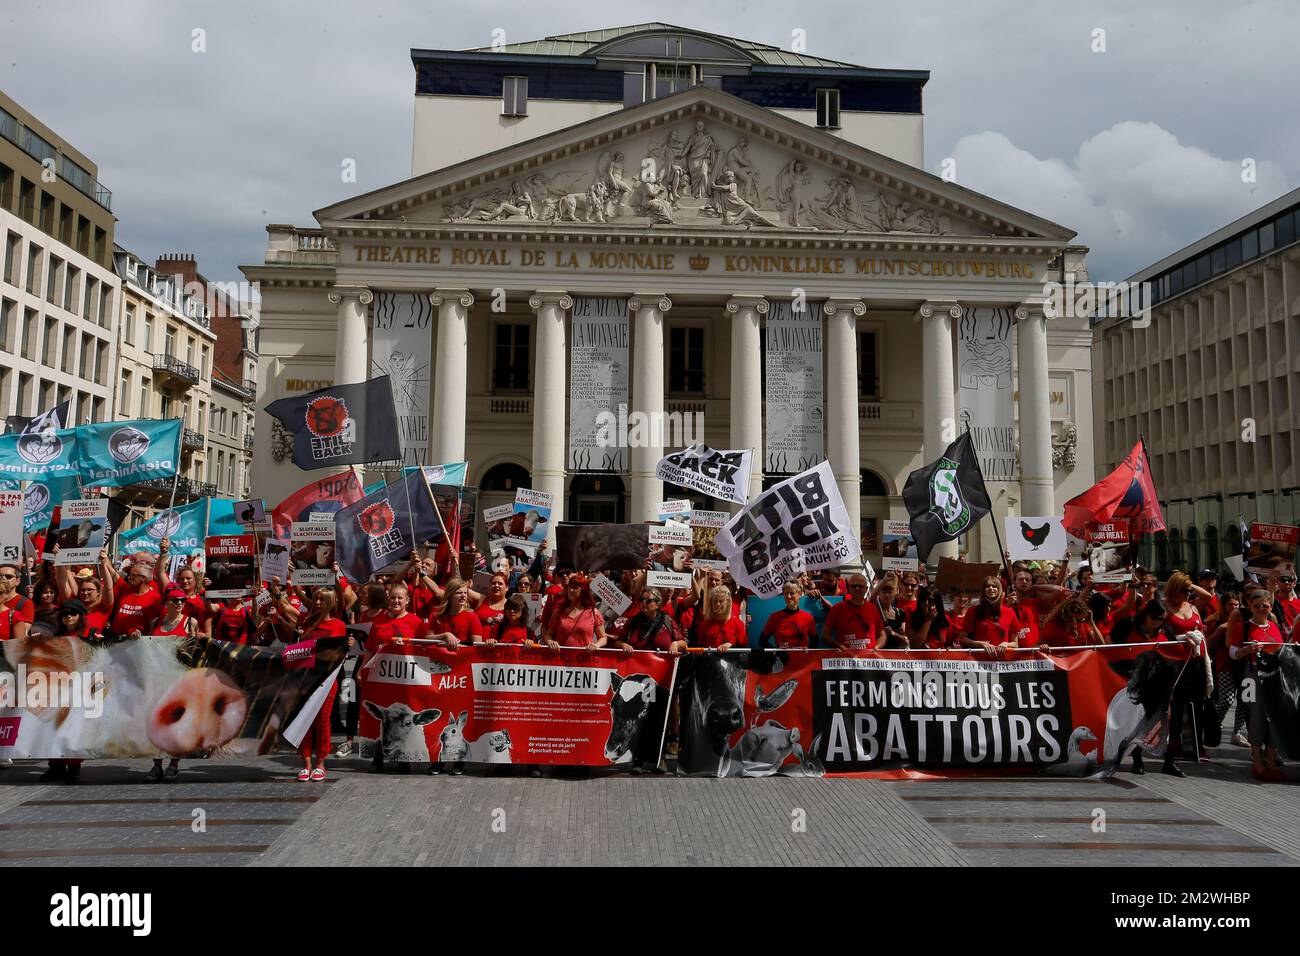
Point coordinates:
[(274, 559), (231, 566), (327, 496), (964, 577), (250, 513), (115, 454), (312, 553), (400, 346), (668, 579), (82, 530), (1110, 554), (1272, 548), (505, 703), (608, 593), (39, 456), (185, 528), (705, 526), (899, 552), (679, 511), (796, 525), (984, 389), (12, 534), (42, 497), (718, 474), (119, 698), (871, 713), (601, 547), (1036, 538), (384, 527), (347, 424), (529, 519)]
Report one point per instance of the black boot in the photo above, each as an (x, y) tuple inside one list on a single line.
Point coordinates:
[(377, 764), (1137, 763), (156, 772), (73, 774), (1172, 769), (53, 773)]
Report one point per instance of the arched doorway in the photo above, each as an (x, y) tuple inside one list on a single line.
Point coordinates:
[(874, 508), (597, 498), (1213, 556)]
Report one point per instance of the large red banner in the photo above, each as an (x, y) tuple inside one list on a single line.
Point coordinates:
[(506, 703), (878, 713)]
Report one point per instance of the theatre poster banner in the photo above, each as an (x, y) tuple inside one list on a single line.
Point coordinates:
[(984, 389), (400, 349), (597, 381), (795, 414)]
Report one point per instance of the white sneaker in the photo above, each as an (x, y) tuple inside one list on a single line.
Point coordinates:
[(6, 762), (345, 749), (1240, 740)]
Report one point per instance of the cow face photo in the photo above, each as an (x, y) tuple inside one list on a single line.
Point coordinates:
[(602, 547)]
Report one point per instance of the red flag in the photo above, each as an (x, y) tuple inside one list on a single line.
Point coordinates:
[(324, 496), (1127, 494)]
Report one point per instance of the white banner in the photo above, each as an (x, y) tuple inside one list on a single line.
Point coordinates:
[(11, 527), (719, 474), (597, 380), (668, 579), (400, 348), (793, 347), (798, 525), (984, 389), (1035, 538)]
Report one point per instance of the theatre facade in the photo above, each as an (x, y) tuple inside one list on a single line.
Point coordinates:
[(564, 310)]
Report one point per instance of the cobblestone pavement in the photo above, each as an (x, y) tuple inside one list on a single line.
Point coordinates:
[(255, 813)]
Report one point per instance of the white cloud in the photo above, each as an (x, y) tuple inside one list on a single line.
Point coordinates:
[(1134, 192)]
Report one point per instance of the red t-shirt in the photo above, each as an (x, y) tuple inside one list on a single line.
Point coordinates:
[(1056, 634), (1178, 626), (1290, 612), (8, 618), (422, 599), (196, 607), (1026, 611), (489, 619), (179, 630), (24, 608), (232, 625), (1270, 633), (513, 635), (855, 627), (385, 628), (716, 633), (790, 628), (992, 630), (137, 612), (330, 627), (464, 625)]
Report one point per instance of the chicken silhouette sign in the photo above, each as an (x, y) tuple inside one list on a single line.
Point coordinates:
[(1031, 538)]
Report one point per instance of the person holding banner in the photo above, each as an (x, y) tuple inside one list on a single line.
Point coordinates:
[(930, 626), (1071, 624), (855, 623), (577, 623), (883, 597), (717, 627), (789, 627), (1247, 641), (653, 629), (457, 624), (514, 625), (490, 608), (991, 624), (321, 623)]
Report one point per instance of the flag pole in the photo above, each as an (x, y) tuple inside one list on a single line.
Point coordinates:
[(997, 535)]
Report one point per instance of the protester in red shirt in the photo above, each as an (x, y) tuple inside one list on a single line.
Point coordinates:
[(196, 606), (990, 624), (1182, 617), (514, 625), (457, 624), (854, 624), (233, 623), (1247, 640), (137, 603), (908, 589), (789, 627), (1071, 624), (930, 625), (714, 625), (320, 624), (491, 606), (24, 608), (653, 629), (1287, 604), (395, 624), (577, 622)]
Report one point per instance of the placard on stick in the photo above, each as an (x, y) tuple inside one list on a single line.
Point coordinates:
[(231, 566), (963, 577), (83, 527), (312, 553)]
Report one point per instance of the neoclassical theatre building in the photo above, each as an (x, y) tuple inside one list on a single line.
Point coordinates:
[(727, 238)]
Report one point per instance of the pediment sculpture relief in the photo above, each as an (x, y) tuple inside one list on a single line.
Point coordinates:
[(688, 178)]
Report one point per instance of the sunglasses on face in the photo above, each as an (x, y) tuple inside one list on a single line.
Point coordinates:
[(650, 601), (69, 614), (8, 577)]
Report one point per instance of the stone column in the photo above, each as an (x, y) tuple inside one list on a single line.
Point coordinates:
[(842, 431), (351, 337), (939, 391), (747, 381), (447, 427), (648, 310), (1036, 481), (550, 397)]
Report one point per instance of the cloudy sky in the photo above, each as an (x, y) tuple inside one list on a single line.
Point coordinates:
[(1139, 147)]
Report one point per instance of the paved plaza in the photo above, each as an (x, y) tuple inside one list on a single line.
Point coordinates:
[(257, 814)]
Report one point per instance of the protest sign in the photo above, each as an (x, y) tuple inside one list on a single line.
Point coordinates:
[(82, 529), (1038, 538), (796, 525), (1272, 548), (899, 553), (275, 560), (679, 511), (601, 547), (668, 579), (705, 526), (312, 553), (11, 527), (1109, 553), (718, 474), (608, 593), (250, 513), (963, 577), (231, 566)]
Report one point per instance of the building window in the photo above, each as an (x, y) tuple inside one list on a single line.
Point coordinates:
[(69, 349), (146, 342), (144, 410), (128, 333), (33, 269), (53, 274), (13, 245), (828, 109), (169, 342), (23, 406), (510, 358), (50, 351), (514, 96), (8, 325), (206, 373), (686, 360), (31, 323), (221, 466), (868, 366), (70, 290), (126, 393)]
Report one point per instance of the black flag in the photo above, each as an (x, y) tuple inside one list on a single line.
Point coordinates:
[(57, 417), (385, 526), (946, 497), (341, 425)]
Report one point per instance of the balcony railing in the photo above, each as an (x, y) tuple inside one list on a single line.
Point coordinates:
[(248, 441), (191, 438), (186, 488), (171, 365), (250, 386)]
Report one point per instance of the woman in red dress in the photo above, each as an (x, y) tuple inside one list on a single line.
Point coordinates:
[(491, 606), (321, 623), (577, 623), (1247, 640)]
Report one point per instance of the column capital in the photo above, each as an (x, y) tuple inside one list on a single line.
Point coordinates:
[(544, 297), (649, 300), (755, 302), (856, 306), (438, 296), (1025, 310), (341, 292), (932, 307)]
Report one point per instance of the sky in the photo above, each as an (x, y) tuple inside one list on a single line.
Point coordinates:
[(1141, 126)]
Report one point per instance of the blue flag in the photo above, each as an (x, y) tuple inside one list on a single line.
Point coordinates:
[(113, 454), (186, 526), (42, 497), (38, 456), (383, 528), (452, 473)]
